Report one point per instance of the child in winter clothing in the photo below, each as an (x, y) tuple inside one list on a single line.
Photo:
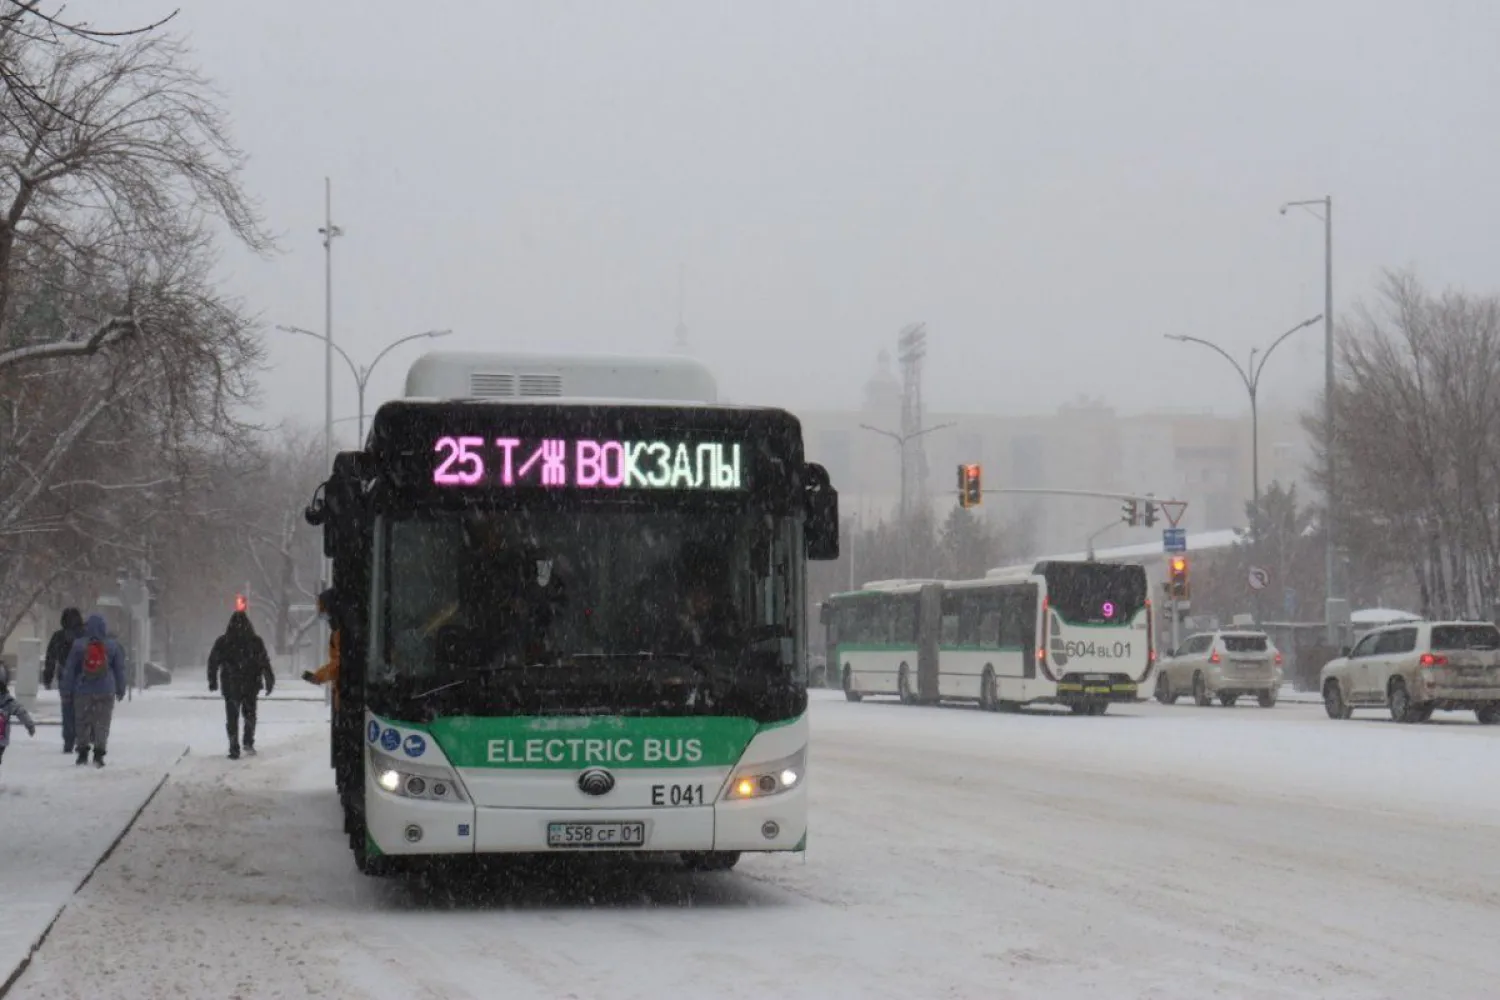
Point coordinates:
[(11, 709)]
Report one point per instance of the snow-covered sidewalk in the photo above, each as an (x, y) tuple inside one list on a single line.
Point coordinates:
[(58, 820)]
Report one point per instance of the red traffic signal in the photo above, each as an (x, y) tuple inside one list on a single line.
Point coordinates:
[(970, 487), (1178, 584), (240, 603)]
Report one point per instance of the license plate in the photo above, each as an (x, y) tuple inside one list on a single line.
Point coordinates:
[(596, 834), (1096, 677)]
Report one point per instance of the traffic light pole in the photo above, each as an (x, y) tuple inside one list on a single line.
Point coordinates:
[(1175, 618)]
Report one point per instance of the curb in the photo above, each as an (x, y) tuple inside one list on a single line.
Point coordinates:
[(36, 946)]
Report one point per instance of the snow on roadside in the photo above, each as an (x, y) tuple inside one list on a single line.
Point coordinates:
[(59, 819)]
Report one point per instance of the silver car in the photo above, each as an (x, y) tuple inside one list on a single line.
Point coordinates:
[(1226, 664)]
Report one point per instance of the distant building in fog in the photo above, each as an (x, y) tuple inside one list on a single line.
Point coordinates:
[(1084, 445)]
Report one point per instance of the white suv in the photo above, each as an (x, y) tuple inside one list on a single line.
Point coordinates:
[(1415, 668), (1225, 665)]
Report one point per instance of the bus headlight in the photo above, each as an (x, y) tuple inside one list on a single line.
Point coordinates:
[(756, 781), (416, 781)]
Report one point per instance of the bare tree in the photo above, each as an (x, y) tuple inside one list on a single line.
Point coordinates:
[(31, 22), (112, 189), (1418, 417), (120, 362)]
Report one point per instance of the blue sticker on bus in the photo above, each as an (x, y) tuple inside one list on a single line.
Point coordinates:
[(463, 829), (390, 739), (374, 730), (414, 745)]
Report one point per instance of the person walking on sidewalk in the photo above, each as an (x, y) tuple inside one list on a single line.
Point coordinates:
[(95, 676), (58, 649), (239, 665), (11, 709)]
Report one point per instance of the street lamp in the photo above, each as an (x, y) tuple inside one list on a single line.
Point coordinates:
[(328, 231), (1250, 376), (362, 372), (902, 440), (1330, 493)]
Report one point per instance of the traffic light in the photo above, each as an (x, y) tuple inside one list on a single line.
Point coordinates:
[(1130, 513), (1178, 578), (240, 603), (970, 490), (1150, 517)]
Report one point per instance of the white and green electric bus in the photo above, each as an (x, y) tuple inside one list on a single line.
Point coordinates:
[(571, 593), (1072, 633)]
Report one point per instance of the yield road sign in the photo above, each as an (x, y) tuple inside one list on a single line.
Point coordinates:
[(1173, 509), (1174, 539)]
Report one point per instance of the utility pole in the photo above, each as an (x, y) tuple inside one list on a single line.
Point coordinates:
[(1330, 465), (329, 232)]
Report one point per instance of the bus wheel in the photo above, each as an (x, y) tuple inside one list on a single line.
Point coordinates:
[(1201, 697), (1080, 708), (1099, 708), (903, 687), (849, 691), (988, 701), (369, 863), (710, 861)]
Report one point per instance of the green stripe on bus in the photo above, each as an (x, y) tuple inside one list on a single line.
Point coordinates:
[(981, 649), (572, 742)]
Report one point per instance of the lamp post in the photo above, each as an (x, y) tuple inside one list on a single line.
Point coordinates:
[(1250, 376), (902, 440), (1330, 492), (328, 231), (361, 373)]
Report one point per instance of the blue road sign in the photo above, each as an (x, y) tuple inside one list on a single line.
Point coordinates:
[(1289, 601), (1174, 539)]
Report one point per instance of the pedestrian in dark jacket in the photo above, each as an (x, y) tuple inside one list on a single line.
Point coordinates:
[(95, 675), (239, 665), (11, 709), (58, 649)]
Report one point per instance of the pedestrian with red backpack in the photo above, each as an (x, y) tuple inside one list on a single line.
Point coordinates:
[(95, 674)]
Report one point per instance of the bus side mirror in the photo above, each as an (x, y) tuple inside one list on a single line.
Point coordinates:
[(336, 504), (821, 527), (317, 511)]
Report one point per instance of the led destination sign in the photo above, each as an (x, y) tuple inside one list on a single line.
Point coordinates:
[(558, 463)]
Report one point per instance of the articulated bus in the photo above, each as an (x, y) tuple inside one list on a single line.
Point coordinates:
[(1070, 633), (572, 596)]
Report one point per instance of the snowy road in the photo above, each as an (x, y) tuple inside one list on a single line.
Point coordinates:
[(1154, 852)]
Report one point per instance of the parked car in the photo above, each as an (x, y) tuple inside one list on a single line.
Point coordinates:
[(1414, 669), (1227, 664)]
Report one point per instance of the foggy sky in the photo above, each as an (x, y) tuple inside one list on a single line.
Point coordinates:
[(1051, 186)]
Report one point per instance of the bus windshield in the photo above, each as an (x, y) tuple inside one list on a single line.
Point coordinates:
[(461, 591), (1095, 593)]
